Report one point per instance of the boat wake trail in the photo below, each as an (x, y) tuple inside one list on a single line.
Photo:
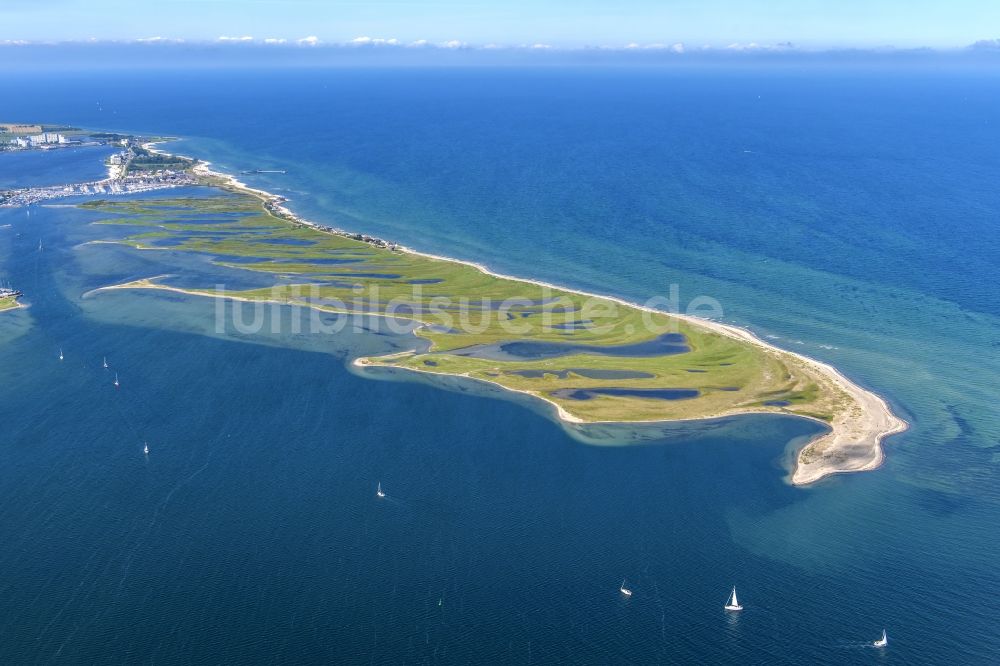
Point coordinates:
[(156, 514)]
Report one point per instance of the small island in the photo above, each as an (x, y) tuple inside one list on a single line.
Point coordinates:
[(594, 358), (8, 299)]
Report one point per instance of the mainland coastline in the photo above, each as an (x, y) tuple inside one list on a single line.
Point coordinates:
[(853, 442)]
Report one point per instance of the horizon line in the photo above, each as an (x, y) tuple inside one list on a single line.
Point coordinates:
[(363, 43)]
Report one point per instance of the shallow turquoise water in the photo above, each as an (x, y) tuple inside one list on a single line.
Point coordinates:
[(858, 229)]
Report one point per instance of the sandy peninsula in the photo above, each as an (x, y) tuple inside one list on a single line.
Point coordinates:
[(856, 429)]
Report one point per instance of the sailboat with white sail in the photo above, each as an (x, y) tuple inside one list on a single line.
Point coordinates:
[(733, 604), (624, 590), (882, 642), (378, 490), (117, 383)]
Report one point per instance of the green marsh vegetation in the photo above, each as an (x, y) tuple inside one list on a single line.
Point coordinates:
[(459, 310)]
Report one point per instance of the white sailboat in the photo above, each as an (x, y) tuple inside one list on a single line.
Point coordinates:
[(624, 590), (882, 642), (145, 448), (378, 490), (117, 383), (733, 604), (105, 362), (60, 354)]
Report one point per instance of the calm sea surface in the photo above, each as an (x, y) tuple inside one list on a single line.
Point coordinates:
[(851, 217)]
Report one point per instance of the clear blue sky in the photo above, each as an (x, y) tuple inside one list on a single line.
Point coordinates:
[(812, 23)]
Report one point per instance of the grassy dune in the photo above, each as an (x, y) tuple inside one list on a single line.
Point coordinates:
[(340, 274), (8, 303)]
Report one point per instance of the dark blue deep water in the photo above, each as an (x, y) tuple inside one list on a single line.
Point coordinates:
[(850, 216)]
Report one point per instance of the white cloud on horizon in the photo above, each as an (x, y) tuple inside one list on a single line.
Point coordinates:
[(657, 46), (374, 41), (754, 46), (154, 40)]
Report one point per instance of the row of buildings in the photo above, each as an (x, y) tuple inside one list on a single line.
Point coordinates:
[(38, 140)]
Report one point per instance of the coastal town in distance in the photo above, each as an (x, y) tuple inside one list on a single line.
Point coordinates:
[(131, 170)]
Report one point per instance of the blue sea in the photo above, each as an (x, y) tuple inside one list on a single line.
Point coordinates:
[(849, 215)]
